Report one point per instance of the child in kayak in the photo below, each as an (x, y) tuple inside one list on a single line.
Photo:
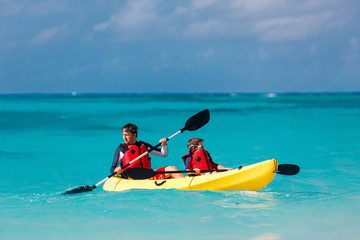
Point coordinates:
[(198, 158), (132, 149)]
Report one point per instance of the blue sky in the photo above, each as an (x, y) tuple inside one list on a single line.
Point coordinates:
[(179, 46)]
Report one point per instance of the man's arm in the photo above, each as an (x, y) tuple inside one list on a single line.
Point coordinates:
[(163, 152), (116, 160)]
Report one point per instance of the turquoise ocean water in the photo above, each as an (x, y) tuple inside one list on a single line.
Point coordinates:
[(50, 143)]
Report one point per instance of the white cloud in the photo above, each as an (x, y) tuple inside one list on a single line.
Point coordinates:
[(136, 17), (201, 4), (205, 54), (206, 28), (48, 35), (314, 48), (248, 6), (10, 8), (267, 20), (294, 28), (351, 58), (354, 43)]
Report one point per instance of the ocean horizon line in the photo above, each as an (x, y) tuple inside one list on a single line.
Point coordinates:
[(113, 94)]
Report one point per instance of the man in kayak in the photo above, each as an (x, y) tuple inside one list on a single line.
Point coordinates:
[(132, 148), (198, 158)]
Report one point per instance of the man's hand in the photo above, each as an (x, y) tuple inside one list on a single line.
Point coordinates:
[(163, 141), (118, 170)]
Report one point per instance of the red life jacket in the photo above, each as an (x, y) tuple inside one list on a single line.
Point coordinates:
[(133, 151), (199, 158)]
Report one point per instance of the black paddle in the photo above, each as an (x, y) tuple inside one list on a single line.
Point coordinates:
[(192, 124), (287, 169), (143, 173)]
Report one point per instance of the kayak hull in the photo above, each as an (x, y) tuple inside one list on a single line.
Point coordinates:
[(253, 177)]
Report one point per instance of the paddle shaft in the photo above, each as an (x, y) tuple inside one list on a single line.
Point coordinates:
[(132, 161), (145, 173), (192, 171)]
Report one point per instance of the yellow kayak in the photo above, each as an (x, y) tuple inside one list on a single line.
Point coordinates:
[(253, 177)]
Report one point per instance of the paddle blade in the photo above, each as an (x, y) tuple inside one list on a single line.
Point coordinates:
[(140, 173), (197, 121), (288, 169), (79, 190)]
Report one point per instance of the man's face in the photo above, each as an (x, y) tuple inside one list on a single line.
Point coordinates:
[(129, 138)]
